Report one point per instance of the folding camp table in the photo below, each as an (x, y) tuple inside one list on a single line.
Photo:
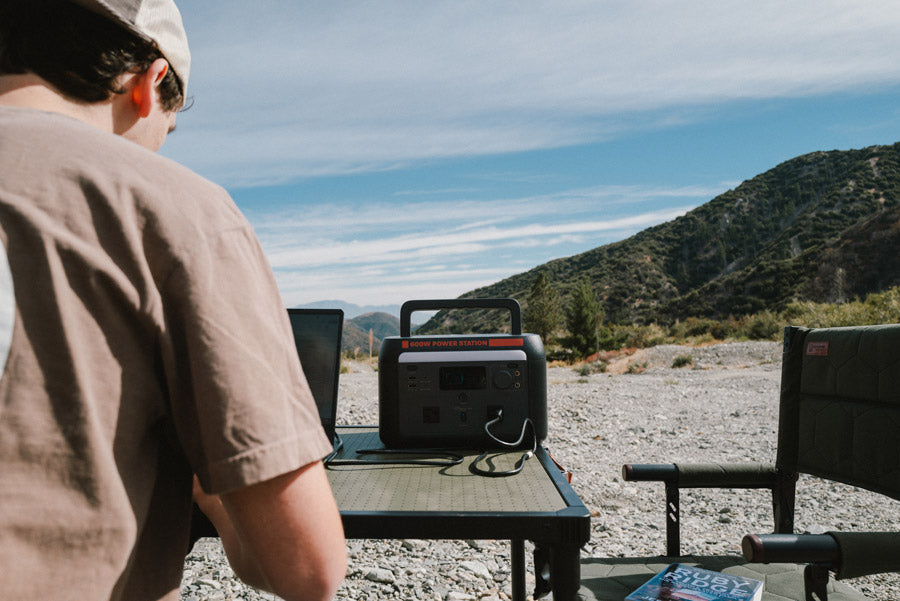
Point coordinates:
[(433, 502)]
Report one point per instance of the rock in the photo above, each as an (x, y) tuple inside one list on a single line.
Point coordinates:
[(477, 568), (380, 575), (414, 544)]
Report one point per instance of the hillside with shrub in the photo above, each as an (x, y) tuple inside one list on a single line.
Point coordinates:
[(355, 338), (817, 230)]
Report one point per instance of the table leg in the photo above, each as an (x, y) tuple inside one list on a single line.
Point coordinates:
[(566, 574), (517, 567)]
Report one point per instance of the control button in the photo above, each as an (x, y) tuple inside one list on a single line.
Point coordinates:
[(503, 379)]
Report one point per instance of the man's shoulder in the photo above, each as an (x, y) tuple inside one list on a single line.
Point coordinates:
[(63, 135), (63, 143)]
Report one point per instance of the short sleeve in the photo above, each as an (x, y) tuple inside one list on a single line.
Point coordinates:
[(241, 405)]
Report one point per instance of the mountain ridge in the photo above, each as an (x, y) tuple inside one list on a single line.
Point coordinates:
[(817, 227)]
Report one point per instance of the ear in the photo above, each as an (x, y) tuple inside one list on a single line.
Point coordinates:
[(144, 94)]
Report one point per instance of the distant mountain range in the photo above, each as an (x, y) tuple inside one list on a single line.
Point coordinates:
[(382, 320), (351, 310), (823, 227), (356, 332)]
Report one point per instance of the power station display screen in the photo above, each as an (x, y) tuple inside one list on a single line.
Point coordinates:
[(465, 377)]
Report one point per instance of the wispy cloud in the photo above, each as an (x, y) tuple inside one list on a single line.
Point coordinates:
[(294, 89), (443, 245), (288, 91), (451, 247)]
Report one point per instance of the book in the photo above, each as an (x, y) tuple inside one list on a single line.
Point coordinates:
[(686, 583)]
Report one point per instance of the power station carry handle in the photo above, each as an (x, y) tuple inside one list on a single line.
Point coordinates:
[(511, 304)]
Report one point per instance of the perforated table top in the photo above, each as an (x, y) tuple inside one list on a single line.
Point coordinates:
[(417, 488)]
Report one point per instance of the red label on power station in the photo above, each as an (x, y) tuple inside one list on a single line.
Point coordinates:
[(451, 344)]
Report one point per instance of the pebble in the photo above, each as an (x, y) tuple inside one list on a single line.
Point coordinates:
[(477, 568), (723, 407), (380, 575)]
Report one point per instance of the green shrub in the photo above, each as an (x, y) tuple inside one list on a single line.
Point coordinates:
[(636, 368), (722, 330), (693, 326), (613, 337), (766, 325), (682, 361), (584, 317), (877, 308), (645, 336)]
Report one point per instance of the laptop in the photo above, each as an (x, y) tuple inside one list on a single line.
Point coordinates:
[(317, 336)]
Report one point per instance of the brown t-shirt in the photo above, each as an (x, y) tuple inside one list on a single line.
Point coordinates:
[(146, 341)]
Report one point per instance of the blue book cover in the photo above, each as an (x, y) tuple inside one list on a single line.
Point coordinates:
[(686, 583)]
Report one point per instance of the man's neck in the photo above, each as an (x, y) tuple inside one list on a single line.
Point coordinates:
[(31, 91)]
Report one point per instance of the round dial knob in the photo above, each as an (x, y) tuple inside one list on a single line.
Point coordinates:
[(503, 379)]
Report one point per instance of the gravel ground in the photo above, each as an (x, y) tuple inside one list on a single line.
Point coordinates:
[(720, 406)]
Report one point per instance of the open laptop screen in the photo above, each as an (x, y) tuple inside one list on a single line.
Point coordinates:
[(317, 336)]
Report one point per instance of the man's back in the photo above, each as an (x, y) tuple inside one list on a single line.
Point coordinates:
[(125, 267), (147, 357)]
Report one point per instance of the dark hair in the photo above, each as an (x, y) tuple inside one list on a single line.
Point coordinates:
[(80, 53)]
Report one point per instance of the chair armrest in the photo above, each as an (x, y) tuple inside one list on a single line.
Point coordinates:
[(864, 553), (649, 472), (849, 554), (791, 548), (727, 475), (705, 475), (709, 475)]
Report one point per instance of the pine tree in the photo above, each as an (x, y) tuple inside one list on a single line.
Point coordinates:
[(543, 313), (583, 319)]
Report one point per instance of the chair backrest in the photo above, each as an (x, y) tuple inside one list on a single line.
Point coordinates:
[(840, 406)]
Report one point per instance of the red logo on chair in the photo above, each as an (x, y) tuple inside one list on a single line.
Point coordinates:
[(817, 349)]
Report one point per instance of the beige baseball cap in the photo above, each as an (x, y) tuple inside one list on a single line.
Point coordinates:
[(156, 20)]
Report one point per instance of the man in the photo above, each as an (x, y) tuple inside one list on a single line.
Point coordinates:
[(142, 338)]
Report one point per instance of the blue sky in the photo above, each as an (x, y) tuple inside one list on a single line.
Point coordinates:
[(394, 150)]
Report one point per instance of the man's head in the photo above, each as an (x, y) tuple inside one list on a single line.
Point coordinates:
[(84, 47), (157, 21)]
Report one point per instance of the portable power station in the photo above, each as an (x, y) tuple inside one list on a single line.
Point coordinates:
[(440, 391)]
